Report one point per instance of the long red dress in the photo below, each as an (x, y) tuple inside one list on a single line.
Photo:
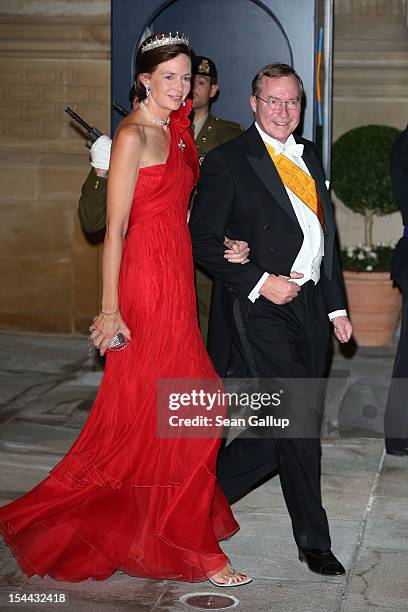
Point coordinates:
[(122, 498)]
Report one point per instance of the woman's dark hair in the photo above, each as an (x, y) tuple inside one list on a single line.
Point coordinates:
[(150, 60)]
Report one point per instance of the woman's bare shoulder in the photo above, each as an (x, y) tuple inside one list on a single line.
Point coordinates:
[(131, 133)]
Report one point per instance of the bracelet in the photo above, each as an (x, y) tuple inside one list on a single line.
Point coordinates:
[(109, 314)]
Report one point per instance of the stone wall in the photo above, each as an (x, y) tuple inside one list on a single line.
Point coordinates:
[(55, 53), (52, 54), (370, 86)]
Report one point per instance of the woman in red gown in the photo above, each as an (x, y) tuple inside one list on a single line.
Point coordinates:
[(123, 498)]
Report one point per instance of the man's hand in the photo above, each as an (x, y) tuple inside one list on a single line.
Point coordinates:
[(236, 251), (342, 329), (100, 155), (280, 289)]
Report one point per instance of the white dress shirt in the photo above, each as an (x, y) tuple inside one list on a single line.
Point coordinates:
[(309, 258)]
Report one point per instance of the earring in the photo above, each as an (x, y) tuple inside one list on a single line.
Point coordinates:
[(147, 91), (184, 102)]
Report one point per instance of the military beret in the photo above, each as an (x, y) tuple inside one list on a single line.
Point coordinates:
[(205, 67)]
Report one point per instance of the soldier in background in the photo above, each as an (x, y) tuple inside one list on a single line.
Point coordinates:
[(209, 132), (92, 203)]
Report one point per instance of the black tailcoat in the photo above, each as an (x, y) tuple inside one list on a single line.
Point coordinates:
[(241, 195), (399, 180), (396, 413)]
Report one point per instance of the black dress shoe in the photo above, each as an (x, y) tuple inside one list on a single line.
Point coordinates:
[(321, 561)]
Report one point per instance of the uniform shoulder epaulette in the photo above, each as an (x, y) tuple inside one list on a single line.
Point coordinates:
[(230, 124)]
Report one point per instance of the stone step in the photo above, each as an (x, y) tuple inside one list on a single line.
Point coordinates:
[(373, 75), (371, 29), (372, 58), (370, 45), (371, 37)]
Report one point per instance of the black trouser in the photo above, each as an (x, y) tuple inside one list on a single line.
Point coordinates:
[(285, 342), (396, 412)]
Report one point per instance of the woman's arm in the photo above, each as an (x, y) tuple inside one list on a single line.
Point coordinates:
[(127, 151)]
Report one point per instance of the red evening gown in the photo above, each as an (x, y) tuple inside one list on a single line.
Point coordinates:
[(122, 498)]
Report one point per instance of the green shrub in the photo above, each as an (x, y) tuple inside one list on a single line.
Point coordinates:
[(361, 172)]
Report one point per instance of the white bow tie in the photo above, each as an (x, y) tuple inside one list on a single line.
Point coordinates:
[(295, 150)]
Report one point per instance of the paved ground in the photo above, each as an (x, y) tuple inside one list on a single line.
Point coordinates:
[(42, 382)]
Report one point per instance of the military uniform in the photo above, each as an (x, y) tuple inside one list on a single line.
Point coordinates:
[(92, 203), (214, 132)]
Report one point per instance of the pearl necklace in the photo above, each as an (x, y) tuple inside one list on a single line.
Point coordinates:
[(153, 117)]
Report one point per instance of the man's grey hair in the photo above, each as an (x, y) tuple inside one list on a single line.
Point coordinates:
[(274, 71)]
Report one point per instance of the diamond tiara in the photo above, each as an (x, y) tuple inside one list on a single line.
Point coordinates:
[(164, 40)]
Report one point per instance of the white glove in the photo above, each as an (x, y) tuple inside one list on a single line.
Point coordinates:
[(100, 152)]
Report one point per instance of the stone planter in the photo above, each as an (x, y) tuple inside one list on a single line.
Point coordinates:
[(374, 307)]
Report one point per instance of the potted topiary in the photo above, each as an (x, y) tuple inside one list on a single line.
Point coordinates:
[(361, 179)]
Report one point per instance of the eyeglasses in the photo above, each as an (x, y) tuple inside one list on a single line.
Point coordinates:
[(276, 104)]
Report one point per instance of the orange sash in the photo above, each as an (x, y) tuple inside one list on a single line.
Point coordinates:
[(297, 181)]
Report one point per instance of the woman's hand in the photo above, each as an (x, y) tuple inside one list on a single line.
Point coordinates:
[(236, 251), (105, 327)]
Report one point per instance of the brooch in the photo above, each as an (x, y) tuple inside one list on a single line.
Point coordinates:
[(182, 144)]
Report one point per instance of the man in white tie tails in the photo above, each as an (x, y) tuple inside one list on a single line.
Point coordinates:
[(268, 187)]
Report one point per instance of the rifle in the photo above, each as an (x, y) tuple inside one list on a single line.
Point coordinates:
[(92, 132), (120, 109)]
